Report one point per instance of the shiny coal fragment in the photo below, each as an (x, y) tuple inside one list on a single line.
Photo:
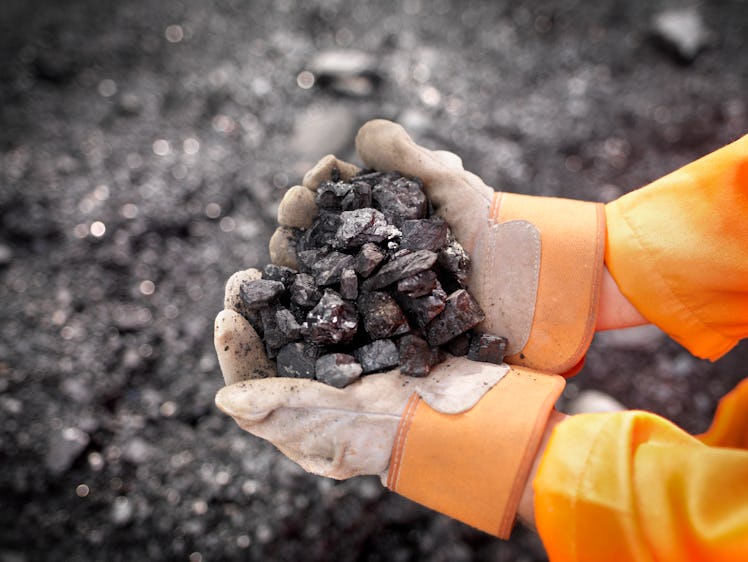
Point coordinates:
[(381, 315), (280, 273), (419, 284), (307, 258), (258, 293), (459, 346), (361, 226), (328, 269), (331, 193), (287, 323), (417, 357), (399, 268), (399, 199), (304, 291), (422, 310), (425, 234), (487, 348), (321, 232), (461, 312), (274, 335), (372, 177), (367, 259), (357, 198), (297, 360), (455, 260), (331, 321), (337, 369), (349, 284), (378, 355)]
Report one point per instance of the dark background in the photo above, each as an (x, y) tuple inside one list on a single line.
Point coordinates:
[(143, 149)]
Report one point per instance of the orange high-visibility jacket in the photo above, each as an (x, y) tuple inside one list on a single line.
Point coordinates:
[(631, 485)]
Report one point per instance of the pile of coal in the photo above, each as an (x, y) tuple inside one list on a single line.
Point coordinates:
[(380, 284)]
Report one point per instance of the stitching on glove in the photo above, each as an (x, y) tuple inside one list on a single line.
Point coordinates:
[(402, 432)]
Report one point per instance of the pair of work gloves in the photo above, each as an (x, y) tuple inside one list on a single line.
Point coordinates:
[(463, 439)]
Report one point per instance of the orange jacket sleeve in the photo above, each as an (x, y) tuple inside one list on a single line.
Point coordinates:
[(631, 485), (678, 249)]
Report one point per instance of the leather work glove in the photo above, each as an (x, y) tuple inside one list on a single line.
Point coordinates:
[(537, 262), (461, 440)]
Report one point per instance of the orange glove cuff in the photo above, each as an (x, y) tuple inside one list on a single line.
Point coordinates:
[(572, 238), (473, 466)]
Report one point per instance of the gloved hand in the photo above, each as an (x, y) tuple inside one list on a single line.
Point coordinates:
[(537, 262), (461, 440)]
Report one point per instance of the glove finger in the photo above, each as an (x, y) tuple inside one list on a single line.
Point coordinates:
[(386, 146), (241, 354), (282, 247), (322, 171), (328, 431), (382, 393), (298, 207), (231, 298)]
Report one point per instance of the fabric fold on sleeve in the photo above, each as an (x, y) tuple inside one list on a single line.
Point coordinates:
[(678, 250), (633, 486)]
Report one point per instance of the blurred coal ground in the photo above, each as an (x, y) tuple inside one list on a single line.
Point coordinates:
[(143, 149)]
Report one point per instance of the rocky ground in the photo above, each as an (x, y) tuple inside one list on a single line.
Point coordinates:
[(143, 149)]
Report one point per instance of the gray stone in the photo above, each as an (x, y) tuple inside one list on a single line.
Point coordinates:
[(64, 448), (337, 369), (682, 30), (379, 355)]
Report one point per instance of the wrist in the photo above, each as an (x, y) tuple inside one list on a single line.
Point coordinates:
[(615, 311)]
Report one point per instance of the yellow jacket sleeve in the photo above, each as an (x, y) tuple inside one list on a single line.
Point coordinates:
[(678, 249), (631, 485)]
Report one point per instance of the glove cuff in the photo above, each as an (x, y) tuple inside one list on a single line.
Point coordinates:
[(474, 466), (572, 248)]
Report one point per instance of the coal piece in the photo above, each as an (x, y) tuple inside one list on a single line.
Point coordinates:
[(307, 258), (460, 345), (425, 234), (297, 360), (274, 336), (416, 356), (419, 284), (422, 310), (455, 260), (286, 322), (361, 226), (372, 177), (399, 199), (461, 312), (280, 273), (367, 260), (331, 193), (337, 369), (258, 293), (327, 271), (358, 197), (487, 348), (349, 284), (381, 316), (321, 232), (379, 355), (399, 268), (331, 321), (304, 292)]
